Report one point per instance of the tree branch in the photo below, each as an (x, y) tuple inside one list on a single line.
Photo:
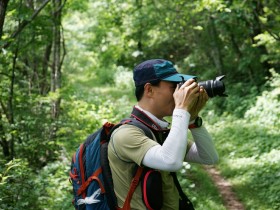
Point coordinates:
[(63, 47), (7, 75), (25, 23)]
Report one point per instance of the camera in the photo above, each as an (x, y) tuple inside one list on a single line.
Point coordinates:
[(213, 88)]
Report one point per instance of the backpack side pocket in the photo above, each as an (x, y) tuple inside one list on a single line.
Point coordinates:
[(152, 189)]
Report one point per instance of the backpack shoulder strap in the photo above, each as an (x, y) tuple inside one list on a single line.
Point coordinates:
[(107, 178), (134, 183), (137, 123), (131, 121)]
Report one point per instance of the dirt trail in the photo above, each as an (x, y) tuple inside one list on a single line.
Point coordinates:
[(231, 202)]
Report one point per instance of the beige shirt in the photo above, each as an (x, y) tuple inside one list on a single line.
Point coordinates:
[(128, 146)]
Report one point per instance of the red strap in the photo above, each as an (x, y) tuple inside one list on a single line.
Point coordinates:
[(145, 192), (133, 185), (191, 126), (94, 176), (73, 175), (82, 170), (107, 127)]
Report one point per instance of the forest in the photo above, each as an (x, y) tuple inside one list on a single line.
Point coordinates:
[(66, 68)]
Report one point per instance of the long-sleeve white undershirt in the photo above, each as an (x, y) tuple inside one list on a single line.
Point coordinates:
[(170, 155)]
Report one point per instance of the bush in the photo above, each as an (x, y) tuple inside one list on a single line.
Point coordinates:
[(18, 188), (57, 191), (123, 78), (267, 108)]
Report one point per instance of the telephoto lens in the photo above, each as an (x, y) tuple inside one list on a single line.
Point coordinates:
[(214, 87)]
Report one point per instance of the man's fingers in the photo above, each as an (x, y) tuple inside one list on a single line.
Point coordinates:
[(188, 83)]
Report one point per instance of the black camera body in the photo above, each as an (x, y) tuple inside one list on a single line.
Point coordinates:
[(213, 88)]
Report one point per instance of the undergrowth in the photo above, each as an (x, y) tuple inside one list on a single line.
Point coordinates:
[(249, 149)]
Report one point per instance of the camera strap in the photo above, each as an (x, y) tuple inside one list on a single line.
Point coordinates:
[(159, 133)]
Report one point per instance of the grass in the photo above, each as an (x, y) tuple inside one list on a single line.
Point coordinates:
[(200, 189), (250, 156)]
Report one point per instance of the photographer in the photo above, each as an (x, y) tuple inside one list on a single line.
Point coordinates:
[(159, 95)]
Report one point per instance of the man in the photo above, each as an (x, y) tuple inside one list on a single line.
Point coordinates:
[(159, 95)]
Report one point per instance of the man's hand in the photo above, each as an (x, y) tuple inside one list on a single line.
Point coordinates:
[(186, 96), (200, 103)]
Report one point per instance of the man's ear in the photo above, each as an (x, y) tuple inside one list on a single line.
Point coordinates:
[(148, 90)]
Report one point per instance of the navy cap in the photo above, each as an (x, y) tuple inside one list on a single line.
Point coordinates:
[(157, 69)]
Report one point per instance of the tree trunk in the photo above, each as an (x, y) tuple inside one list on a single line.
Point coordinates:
[(3, 141), (3, 8), (56, 67), (257, 29), (44, 86), (216, 51), (8, 112), (58, 56), (10, 103)]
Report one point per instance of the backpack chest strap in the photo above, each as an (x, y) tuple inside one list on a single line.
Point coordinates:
[(94, 176)]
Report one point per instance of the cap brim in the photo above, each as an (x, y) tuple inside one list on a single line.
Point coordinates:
[(178, 78)]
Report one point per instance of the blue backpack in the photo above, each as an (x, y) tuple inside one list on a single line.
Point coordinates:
[(90, 173)]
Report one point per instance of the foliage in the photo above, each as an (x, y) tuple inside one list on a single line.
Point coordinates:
[(31, 129), (22, 188), (17, 186), (123, 78), (104, 40), (205, 38), (56, 192), (266, 111), (85, 114), (249, 150)]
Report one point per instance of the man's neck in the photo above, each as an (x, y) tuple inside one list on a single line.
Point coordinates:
[(162, 123)]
